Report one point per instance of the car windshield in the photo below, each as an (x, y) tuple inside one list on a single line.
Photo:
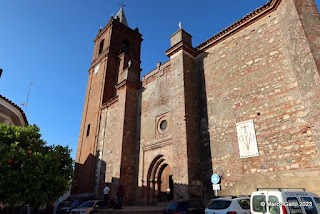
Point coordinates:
[(219, 204), (87, 204), (76, 203)]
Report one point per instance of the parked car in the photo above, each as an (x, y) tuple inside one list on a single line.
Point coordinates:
[(190, 206), (229, 205), (62, 204), (88, 207), (67, 206), (284, 201)]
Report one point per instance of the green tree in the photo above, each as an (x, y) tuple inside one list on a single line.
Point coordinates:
[(30, 171)]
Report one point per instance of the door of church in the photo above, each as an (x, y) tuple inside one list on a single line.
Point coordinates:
[(166, 182)]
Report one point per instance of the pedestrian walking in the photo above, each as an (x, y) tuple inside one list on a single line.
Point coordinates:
[(168, 194), (120, 194), (106, 198)]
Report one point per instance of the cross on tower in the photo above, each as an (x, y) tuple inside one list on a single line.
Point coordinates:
[(122, 5)]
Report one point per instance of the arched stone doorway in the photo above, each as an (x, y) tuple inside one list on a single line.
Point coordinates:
[(159, 180), (166, 182)]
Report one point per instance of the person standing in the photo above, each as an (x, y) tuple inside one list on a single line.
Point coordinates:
[(120, 194), (168, 194), (106, 198)]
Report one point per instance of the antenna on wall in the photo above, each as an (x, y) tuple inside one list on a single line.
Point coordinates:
[(26, 103)]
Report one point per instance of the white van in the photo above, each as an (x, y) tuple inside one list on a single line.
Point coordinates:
[(284, 201)]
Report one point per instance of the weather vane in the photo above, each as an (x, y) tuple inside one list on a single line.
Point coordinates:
[(122, 5)]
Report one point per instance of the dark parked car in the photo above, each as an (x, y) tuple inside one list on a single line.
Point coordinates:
[(190, 206), (88, 207), (67, 206)]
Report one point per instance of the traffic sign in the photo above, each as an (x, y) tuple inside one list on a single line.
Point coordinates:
[(215, 179), (215, 186)]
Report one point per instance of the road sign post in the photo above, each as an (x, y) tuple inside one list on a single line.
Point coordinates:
[(215, 186)]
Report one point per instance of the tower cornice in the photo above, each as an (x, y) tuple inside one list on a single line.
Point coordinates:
[(128, 83), (111, 22), (181, 46), (101, 32)]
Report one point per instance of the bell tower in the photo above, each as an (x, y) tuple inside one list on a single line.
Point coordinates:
[(114, 75)]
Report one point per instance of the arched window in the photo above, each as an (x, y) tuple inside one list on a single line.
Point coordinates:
[(101, 46), (125, 48)]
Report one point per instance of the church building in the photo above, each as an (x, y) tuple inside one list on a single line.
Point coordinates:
[(244, 104)]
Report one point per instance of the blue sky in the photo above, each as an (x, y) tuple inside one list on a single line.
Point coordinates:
[(50, 43)]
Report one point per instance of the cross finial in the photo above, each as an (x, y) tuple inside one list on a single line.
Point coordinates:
[(122, 5)]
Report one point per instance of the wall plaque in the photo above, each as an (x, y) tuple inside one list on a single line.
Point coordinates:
[(247, 139)]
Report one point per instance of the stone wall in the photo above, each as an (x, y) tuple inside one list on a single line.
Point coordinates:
[(256, 74), (109, 152), (163, 97), (172, 91), (192, 93), (303, 29), (129, 145)]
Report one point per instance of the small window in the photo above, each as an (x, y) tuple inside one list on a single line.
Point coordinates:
[(308, 205), (219, 205), (274, 207), (293, 205), (259, 203), (101, 46), (244, 203), (163, 125), (125, 48), (88, 130)]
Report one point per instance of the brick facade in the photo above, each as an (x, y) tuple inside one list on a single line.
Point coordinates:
[(257, 75), (178, 125)]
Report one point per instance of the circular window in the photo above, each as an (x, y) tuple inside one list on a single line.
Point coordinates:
[(163, 125)]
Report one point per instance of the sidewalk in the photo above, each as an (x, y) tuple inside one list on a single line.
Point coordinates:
[(134, 209)]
